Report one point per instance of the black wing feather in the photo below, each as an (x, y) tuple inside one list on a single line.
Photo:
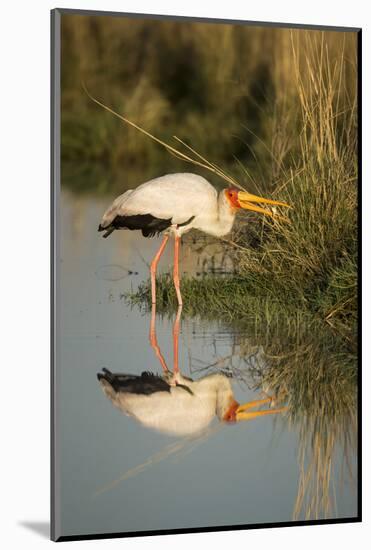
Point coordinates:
[(148, 224), (145, 384)]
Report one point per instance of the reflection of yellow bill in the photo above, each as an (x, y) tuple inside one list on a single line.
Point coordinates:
[(241, 413)]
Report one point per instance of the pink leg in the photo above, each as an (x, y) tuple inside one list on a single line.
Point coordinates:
[(154, 267), (153, 340), (176, 331), (176, 270)]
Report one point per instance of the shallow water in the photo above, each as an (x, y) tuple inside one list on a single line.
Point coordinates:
[(115, 474)]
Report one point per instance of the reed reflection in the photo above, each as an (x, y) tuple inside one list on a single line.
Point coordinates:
[(300, 373), (315, 374)]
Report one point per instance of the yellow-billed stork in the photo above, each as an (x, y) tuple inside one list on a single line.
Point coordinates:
[(175, 404), (174, 204)]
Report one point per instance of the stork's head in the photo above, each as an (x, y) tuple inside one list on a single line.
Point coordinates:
[(230, 411), (235, 412), (227, 408), (243, 200), (230, 415)]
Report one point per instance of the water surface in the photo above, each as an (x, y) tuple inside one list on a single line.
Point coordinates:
[(118, 476)]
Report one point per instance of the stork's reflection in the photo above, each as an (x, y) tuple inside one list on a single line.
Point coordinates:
[(173, 403)]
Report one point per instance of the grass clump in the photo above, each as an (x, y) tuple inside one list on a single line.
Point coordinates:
[(313, 260), (310, 264), (228, 299)]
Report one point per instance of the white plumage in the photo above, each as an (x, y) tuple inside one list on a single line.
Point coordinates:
[(187, 408), (174, 204), (175, 197), (178, 411)]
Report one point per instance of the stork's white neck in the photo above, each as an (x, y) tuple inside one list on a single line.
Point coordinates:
[(221, 224)]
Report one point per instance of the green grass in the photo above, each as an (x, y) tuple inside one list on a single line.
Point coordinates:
[(226, 299), (246, 299)]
